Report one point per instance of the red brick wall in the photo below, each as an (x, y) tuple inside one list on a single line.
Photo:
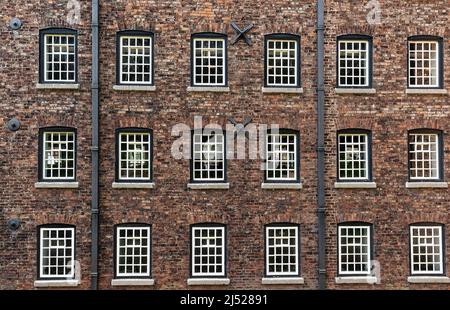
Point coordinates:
[(245, 208)]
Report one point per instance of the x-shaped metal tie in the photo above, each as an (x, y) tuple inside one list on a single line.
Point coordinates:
[(241, 34)]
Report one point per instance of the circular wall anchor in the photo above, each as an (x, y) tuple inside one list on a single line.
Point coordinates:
[(14, 224), (14, 124), (15, 23)]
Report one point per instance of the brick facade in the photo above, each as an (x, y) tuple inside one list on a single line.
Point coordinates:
[(244, 208)]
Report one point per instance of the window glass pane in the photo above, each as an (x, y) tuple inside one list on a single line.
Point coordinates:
[(56, 252), (353, 63), (135, 157), (423, 156), (281, 157), (59, 58), (208, 157), (209, 61), (353, 156), (58, 155), (208, 251), (423, 64), (354, 249), (281, 66), (282, 250), (426, 250), (135, 60), (133, 251)]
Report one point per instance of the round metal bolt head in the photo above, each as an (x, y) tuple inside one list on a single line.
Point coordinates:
[(14, 124)]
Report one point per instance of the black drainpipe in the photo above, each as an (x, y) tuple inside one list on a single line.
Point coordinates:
[(321, 144), (95, 144)]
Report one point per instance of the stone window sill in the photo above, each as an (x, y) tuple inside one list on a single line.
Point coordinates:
[(356, 280), (57, 86), (134, 88), (56, 283), (118, 185), (281, 281), (132, 282), (208, 185), (428, 279), (364, 91), (282, 90), (282, 185), (211, 89), (426, 185), (355, 185), (426, 91), (207, 281), (56, 185)]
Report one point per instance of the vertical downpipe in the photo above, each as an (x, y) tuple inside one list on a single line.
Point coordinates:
[(321, 145), (95, 145)]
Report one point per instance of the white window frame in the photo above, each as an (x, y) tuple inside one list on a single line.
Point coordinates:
[(140, 228), (359, 152), (208, 246), (272, 162), (275, 67), (46, 54), (45, 158), (296, 272), (438, 156), (440, 244), (366, 59), (194, 60), (71, 263), (369, 250), (150, 64), (208, 160), (135, 161), (438, 64)]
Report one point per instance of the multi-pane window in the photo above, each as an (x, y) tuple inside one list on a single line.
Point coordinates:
[(282, 250), (424, 63), (208, 251), (282, 61), (57, 154), (209, 60), (353, 155), (281, 156), (134, 155), (426, 249), (354, 62), (133, 251), (56, 252), (135, 58), (208, 157), (58, 56), (354, 249), (424, 155)]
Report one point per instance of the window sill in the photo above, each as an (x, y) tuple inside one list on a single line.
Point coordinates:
[(56, 185), (355, 185), (134, 88), (356, 280), (282, 90), (57, 86), (132, 282), (208, 185), (56, 283), (281, 281), (356, 91), (118, 185), (426, 185), (206, 281), (426, 91), (428, 279), (212, 89), (282, 185)]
